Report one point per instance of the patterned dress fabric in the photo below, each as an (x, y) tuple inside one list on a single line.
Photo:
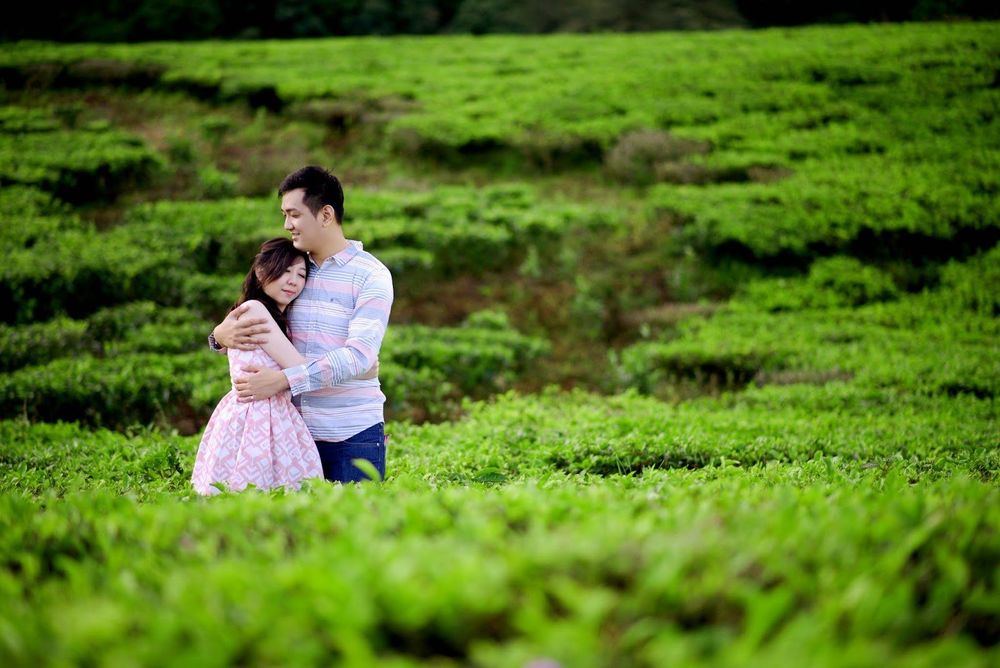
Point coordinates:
[(264, 443)]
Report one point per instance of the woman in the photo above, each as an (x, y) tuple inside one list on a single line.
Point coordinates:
[(265, 442)]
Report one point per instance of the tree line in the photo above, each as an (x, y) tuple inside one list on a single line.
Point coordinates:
[(143, 20)]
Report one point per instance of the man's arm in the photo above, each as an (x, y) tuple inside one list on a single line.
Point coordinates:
[(364, 340), (241, 333)]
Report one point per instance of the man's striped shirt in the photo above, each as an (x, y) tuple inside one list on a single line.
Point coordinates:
[(338, 323)]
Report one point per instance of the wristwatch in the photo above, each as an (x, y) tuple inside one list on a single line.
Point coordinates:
[(213, 344)]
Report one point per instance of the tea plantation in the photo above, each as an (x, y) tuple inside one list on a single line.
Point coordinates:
[(694, 357)]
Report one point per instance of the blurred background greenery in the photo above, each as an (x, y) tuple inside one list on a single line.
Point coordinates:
[(136, 20)]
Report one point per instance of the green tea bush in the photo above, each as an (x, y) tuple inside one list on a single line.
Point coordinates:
[(452, 230), (832, 282), (860, 210), (974, 285), (150, 364), (712, 566), (134, 327), (481, 357), (533, 436), (120, 391), (81, 272), (61, 458), (48, 218), (78, 165), (170, 252), (40, 342), (936, 342)]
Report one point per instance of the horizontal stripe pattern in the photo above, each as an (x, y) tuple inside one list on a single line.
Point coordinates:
[(338, 323)]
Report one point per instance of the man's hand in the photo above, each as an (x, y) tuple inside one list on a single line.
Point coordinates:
[(260, 384), (245, 334), (371, 373)]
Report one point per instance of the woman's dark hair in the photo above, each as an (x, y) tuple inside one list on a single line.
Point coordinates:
[(270, 263), (321, 188)]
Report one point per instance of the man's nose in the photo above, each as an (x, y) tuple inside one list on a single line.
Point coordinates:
[(288, 224)]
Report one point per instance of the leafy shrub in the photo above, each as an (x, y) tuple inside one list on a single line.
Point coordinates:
[(81, 272), (481, 357), (149, 363), (40, 342), (76, 165), (973, 285), (637, 156), (216, 184), (832, 282), (124, 390), (896, 344), (695, 558)]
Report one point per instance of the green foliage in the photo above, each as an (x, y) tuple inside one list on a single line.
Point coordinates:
[(79, 271), (868, 207), (828, 497), (77, 165), (133, 327), (150, 364), (163, 250), (631, 435), (452, 230), (939, 342), (836, 281), (710, 563), (119, 391), (861, 140), (481, 357), (47, 215)]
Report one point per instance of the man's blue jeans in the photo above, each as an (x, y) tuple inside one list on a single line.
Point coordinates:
[(336, 456)]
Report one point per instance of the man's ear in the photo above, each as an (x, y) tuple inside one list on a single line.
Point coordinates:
[(328, 215)]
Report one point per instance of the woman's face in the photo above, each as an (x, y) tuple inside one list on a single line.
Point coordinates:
[(289, 285)]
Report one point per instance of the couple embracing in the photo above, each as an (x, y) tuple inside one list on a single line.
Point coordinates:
[(303, 344)]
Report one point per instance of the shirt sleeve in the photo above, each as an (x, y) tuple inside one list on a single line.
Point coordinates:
[(364, 340)]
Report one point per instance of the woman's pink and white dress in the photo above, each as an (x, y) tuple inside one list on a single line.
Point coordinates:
[(265, 443)]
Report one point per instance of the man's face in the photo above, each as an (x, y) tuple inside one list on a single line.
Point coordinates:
[(306, 228)]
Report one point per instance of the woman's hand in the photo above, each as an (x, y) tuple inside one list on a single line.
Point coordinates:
[(371, 373), (242, 334)]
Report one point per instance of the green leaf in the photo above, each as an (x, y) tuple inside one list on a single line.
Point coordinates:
[(367, 468)]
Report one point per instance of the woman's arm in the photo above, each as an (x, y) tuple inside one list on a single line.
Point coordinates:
[(277, 346)]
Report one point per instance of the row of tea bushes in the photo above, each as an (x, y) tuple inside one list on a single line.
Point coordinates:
[(840, 427), (629, 434), (777, 563), (941, 341), (139, 364), (84, 164), (130, 328), (190, 253), (570, 93), (30, 217), (447, 230), (915, 209), (766, 96)]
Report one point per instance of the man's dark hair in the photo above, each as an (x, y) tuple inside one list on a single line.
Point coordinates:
[(321, 188)]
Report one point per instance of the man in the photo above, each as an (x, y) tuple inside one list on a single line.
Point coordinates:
[(337, 323)]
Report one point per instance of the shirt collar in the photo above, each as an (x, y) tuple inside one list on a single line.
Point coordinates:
[(344, 256)]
